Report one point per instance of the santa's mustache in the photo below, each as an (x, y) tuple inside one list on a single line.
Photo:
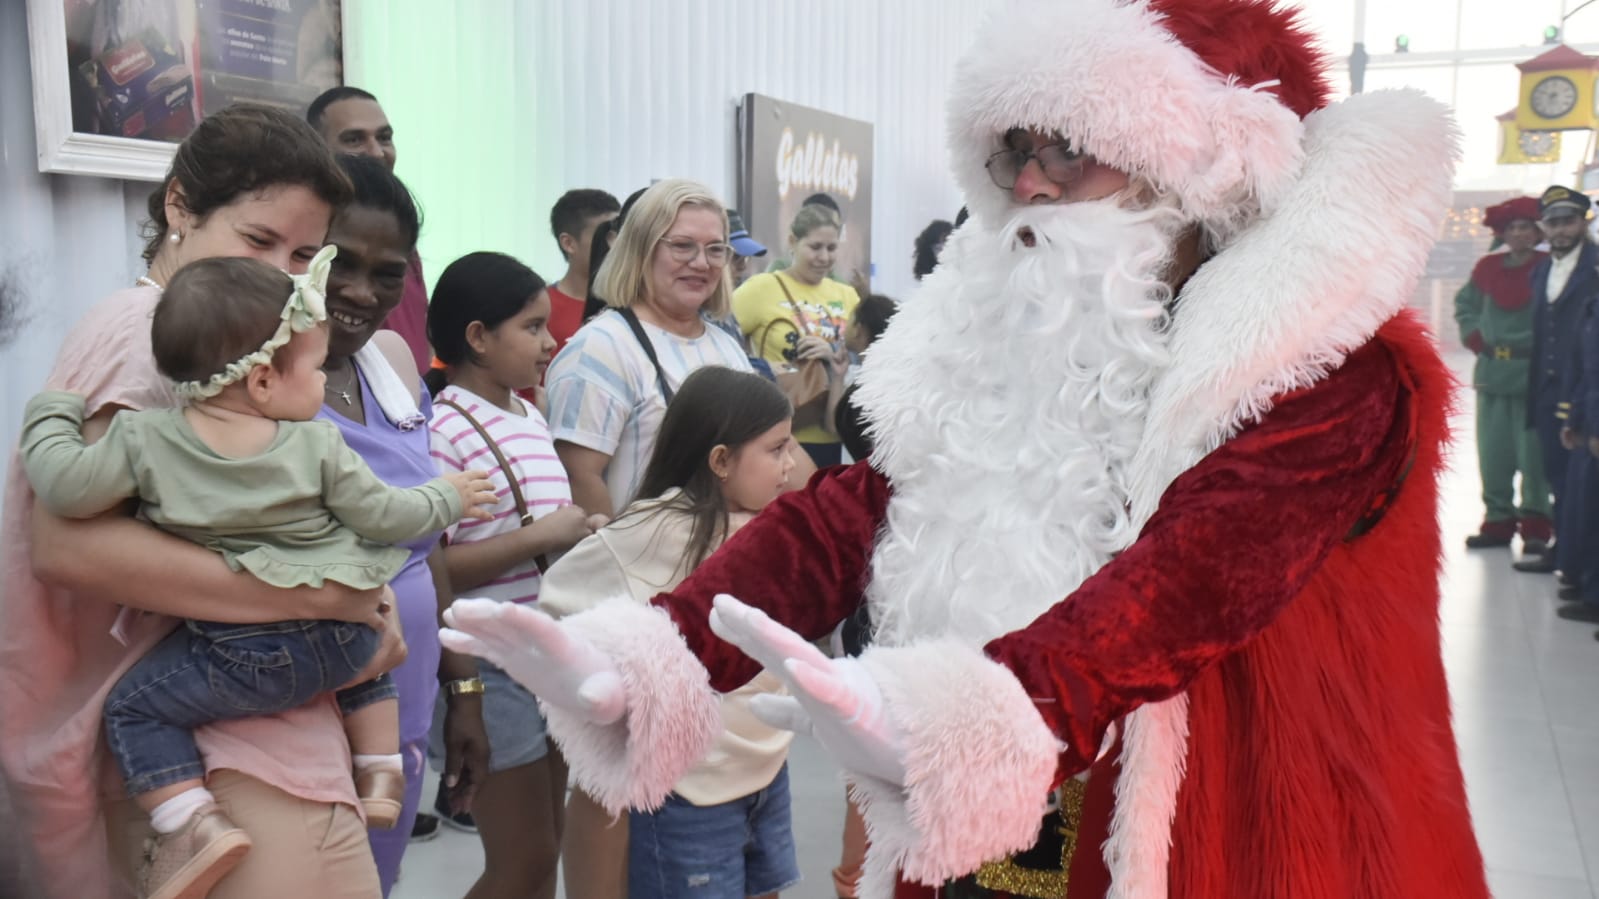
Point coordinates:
[(1049, 265)]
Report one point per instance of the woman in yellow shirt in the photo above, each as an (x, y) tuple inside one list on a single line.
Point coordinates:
[(799, 314)]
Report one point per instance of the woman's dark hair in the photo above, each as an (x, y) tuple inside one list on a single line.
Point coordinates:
[(599, 248), (216, 311), (927, 244), (716, 406), (627, 205), (240, 150), (962, 216), (491, 288), (377, 188)]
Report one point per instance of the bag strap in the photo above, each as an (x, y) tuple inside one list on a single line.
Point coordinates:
[(631, 318), (804, 326), (505, 467)]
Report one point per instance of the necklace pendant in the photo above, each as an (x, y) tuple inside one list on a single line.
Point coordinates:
[(344, 395)]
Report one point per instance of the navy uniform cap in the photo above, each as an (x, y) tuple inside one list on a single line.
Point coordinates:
[(1559, 199)]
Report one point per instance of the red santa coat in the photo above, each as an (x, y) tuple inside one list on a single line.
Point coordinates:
[(1274, 666), (1321, 760)]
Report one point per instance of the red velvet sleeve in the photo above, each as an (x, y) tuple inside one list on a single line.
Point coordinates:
[(803, 561), (1234, 539)]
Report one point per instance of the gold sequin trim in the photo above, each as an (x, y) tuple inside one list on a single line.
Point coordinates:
[(1009, 877)]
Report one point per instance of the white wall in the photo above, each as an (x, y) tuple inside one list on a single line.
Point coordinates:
[(502, 105), (505, 105), (65, 240)]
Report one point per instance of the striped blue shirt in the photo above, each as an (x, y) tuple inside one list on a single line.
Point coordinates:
[(603, 393)]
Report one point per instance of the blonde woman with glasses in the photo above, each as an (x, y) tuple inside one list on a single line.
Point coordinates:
[(665, 277)]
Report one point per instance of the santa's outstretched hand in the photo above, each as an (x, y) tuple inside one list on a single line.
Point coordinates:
[(836, 700), (555, 664)]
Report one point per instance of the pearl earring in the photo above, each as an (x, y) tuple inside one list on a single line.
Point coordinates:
[(175, 237)]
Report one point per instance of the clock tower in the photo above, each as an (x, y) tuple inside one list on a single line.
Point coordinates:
[(1557, 92), (1517, 147)]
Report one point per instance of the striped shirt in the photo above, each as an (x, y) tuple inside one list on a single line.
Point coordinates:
[(604, 396), (525, 441)]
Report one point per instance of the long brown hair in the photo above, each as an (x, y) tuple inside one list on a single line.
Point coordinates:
[(716, 406)]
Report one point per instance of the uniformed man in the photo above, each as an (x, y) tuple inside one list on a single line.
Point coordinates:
[(1562, 287)]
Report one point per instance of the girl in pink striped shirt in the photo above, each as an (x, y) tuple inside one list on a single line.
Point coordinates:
[(488, 322)]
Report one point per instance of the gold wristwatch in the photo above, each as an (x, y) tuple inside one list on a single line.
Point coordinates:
[(464, 686)]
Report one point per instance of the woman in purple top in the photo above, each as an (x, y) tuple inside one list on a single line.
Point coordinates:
[(376, 235)]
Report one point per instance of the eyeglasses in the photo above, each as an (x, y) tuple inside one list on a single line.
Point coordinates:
[(685, 250), (1059, 162)]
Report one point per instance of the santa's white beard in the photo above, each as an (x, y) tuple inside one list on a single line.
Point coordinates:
[(1007, 399)]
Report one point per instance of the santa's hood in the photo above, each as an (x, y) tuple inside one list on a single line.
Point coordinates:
[(1295, 292), (1204, 99)]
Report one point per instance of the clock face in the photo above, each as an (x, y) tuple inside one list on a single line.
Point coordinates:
[(1554, 97), (1536, 143)]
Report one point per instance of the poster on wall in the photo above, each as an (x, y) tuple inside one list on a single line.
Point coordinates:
[(789, 153), (118, 82)]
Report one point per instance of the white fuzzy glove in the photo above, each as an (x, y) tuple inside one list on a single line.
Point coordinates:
[(554, 664), (836, 700)]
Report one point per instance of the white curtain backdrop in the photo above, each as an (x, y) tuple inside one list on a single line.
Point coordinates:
[(505, 105)]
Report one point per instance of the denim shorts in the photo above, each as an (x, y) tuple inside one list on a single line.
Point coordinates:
[(205, 672), (727, 851), (517, 734)]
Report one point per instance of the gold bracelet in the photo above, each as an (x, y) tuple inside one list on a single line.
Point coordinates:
[(464, 686)]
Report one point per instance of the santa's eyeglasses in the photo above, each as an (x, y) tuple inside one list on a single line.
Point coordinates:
[(1059, 163)]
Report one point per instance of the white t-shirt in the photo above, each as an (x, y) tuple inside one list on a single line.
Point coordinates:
[(1560, 270), (604, 395), (526, 444)]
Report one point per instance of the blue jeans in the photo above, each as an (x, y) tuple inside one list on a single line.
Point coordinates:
[(728, 851), (204, 672)]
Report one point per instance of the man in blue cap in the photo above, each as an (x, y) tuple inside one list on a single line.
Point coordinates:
[(1563, 286), (745, 248)]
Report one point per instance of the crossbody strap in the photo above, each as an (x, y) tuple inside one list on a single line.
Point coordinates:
[(803, 321), (633, 323), (800, 324), (505, 466)]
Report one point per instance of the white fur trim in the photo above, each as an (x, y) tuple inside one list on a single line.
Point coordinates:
[(979, 763), (673, 715), (1154, 758), (1276, 311), (1296, 292), (1111, 78)]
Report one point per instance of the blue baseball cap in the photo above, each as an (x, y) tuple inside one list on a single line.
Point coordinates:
[(739, 236)]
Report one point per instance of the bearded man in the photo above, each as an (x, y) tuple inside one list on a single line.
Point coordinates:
[(1154, 497)]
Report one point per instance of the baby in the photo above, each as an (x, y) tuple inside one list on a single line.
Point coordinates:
[(243, 469)]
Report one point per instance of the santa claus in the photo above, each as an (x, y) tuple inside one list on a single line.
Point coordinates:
[(1154, 496)]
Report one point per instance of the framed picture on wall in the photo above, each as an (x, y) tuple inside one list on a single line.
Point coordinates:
[(118, 83)]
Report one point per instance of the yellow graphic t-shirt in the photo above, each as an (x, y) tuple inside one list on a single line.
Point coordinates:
[(774, 325)]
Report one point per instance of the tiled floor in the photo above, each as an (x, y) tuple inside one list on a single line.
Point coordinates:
[(1526, 691)]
